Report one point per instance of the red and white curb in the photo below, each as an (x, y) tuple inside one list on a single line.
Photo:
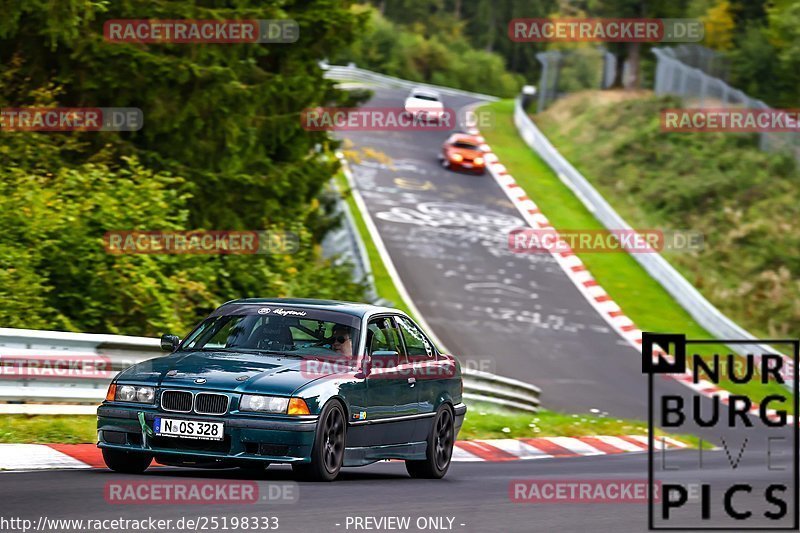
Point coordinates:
[(20, 457), (548, 447), (576, 270)]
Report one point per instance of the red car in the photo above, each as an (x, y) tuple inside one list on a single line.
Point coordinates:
[(461, 151)]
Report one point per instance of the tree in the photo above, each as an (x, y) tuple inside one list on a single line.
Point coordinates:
[(632, 53), (222, 148), (719, 26)]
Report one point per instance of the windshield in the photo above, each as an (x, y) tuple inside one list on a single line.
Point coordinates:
[(465, 145), (285, 335)]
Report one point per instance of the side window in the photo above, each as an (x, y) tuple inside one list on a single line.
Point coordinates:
[(418, 347), (383, 336), (376, 337), (393, 335)]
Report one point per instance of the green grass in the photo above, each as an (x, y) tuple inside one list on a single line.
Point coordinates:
[(484, 421), (46, 429), (643, 299), (742, 199)]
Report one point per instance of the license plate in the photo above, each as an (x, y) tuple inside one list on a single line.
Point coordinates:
[(188, 429), (467, 165)]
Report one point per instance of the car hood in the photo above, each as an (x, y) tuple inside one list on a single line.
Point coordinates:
[(223, 371)]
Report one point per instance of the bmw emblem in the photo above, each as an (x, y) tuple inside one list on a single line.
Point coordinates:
[(200, 380), (264, 311)]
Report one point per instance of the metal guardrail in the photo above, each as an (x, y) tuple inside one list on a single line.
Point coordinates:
[(54, 387), (708, 316), (352, 73), (345, 244), (506, 392)]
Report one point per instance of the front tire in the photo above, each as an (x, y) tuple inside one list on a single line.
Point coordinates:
[(440, 448), (327, 453), (126, 462)]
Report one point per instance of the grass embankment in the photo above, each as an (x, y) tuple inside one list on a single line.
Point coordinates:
[(482, 422), (629, 186), (743, 200), (46, 429)]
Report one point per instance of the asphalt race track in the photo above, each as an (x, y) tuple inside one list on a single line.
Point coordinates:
[(513, 314), (519, 314), (473, 494)]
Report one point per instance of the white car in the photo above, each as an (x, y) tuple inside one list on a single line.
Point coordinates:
[(425, 103)]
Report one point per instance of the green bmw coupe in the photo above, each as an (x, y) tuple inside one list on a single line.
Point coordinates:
[(314, 383)]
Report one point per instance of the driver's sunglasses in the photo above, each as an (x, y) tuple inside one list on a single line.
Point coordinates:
[(340, 339)]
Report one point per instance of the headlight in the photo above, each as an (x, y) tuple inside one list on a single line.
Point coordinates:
[(145, 394), (131, 393), (478, 160), (457, 157), (263, 404), (126, 393)]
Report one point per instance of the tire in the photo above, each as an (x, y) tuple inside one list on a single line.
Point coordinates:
[(327, 453), (126, 462), (440, 448)]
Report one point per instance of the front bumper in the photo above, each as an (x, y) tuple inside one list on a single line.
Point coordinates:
[(467, 166), (246, 438)]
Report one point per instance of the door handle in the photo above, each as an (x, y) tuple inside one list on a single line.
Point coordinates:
[(412, 381)]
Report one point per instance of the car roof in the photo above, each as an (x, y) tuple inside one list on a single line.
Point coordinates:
[(358, 309)]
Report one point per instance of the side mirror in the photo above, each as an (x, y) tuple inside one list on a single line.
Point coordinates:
[(169, 343)]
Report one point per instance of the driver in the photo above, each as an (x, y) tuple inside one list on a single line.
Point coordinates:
[(342, 341)]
